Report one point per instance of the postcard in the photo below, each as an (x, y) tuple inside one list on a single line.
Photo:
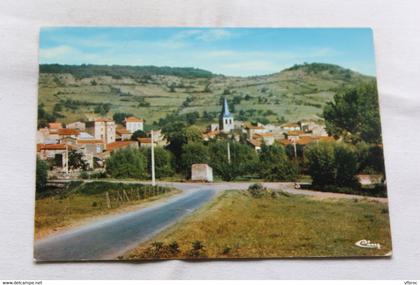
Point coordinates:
[(208, 143)]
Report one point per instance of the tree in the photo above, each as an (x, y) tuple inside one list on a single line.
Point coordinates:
[(274, 164), (321, 164), (193, 134), (41, 175), (192, 117), (138, 134), (163, 162), (120, 117), (346, 164), (76, 160), (243, 159), (126, 163), (354, 114), (332, 164), (193, 153)]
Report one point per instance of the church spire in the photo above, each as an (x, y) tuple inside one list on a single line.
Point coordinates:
[(225, 111)]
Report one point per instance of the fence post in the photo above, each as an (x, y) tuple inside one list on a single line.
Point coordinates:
[(108, 201)]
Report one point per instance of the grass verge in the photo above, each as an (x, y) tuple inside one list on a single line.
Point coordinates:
[(78, 204), (237, 225)]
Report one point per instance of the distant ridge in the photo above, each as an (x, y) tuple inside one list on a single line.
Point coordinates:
[(120, 71)]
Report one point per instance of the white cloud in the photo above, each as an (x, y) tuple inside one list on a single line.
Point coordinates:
[(203, 35)]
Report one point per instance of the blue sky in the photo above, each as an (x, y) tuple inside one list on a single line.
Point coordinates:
[(229, 51)]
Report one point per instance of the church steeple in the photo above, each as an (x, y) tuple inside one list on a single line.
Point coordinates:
[(225, 110), (226, 118)]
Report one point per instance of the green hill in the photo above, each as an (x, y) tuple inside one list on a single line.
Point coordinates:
[(71, 93)]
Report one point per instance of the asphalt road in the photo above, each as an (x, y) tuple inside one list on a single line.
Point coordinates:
[(108, 238)]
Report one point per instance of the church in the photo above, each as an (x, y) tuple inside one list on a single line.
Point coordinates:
[(226, 124)]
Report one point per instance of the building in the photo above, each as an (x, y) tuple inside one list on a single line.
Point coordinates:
[(252, 130), (145, 142), (256, 144), (201, 172), (133, 124), (290, 127), (123, 134), (77, 126), (226, 123), (55, 126), (267, 138), (121, 145), (102, 129), (54, 152)]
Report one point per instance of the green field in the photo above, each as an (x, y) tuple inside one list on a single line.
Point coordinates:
[(237, 225), (293, 94)]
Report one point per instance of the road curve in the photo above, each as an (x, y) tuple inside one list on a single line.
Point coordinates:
[(108, 238)]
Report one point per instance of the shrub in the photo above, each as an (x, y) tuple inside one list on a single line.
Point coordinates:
[(274, 164), (126, 163), (256, 190), (41, 175), (321, 163)]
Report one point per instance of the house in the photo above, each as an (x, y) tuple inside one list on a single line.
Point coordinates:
[(55, 126), (158, 137), (121, 145), (252, 130), (226, 123), (369, 179), (54, 152), (201, 172), (294, 135), (81, 126), (267, 138), (304, 140), (256, 144), (123, 134), (210, 135), (102, 129), (145, 142), (290, 127), (67, 133), (214, 127), (133, 124), (91, 146)]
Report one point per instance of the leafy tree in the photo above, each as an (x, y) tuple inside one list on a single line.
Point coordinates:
[(138, 134), (274, 164), (127, 163), (354, 114), (192, 117), (192, 134), (321, 163), (346, 163), (76, 160), (243, 159), (332, 164), (371, 158), (163, 161), (193, 153), (120, 117), (41, 175)]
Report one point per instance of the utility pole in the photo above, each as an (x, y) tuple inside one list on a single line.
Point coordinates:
[(66, 161), (294, 148), (153, 159), (228, 152)]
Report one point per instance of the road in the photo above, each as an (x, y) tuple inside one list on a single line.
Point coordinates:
[(108, 238)]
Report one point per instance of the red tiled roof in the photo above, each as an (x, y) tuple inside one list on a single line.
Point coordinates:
[(123, 131), (54, 146), (295, 133), (264, 135), (103, 120), (144, 140), (255, 142), (133, 119), (68, 132), (89, 141), (55, 125), (290, 125), (117, 145)]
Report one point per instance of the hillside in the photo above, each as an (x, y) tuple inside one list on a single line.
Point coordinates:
[(71, 93)]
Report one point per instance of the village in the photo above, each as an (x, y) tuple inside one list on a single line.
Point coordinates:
[(96, 139)]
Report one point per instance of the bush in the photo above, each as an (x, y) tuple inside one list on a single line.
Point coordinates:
[(41, 175), (163, 162), (193, 153), (256, 190), (126, 163), (321, 163), (274, 164)]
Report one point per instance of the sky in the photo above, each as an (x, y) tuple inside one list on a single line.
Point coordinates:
[(228, 51)]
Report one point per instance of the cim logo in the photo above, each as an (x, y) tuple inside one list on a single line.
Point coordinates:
[(367, 244)]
